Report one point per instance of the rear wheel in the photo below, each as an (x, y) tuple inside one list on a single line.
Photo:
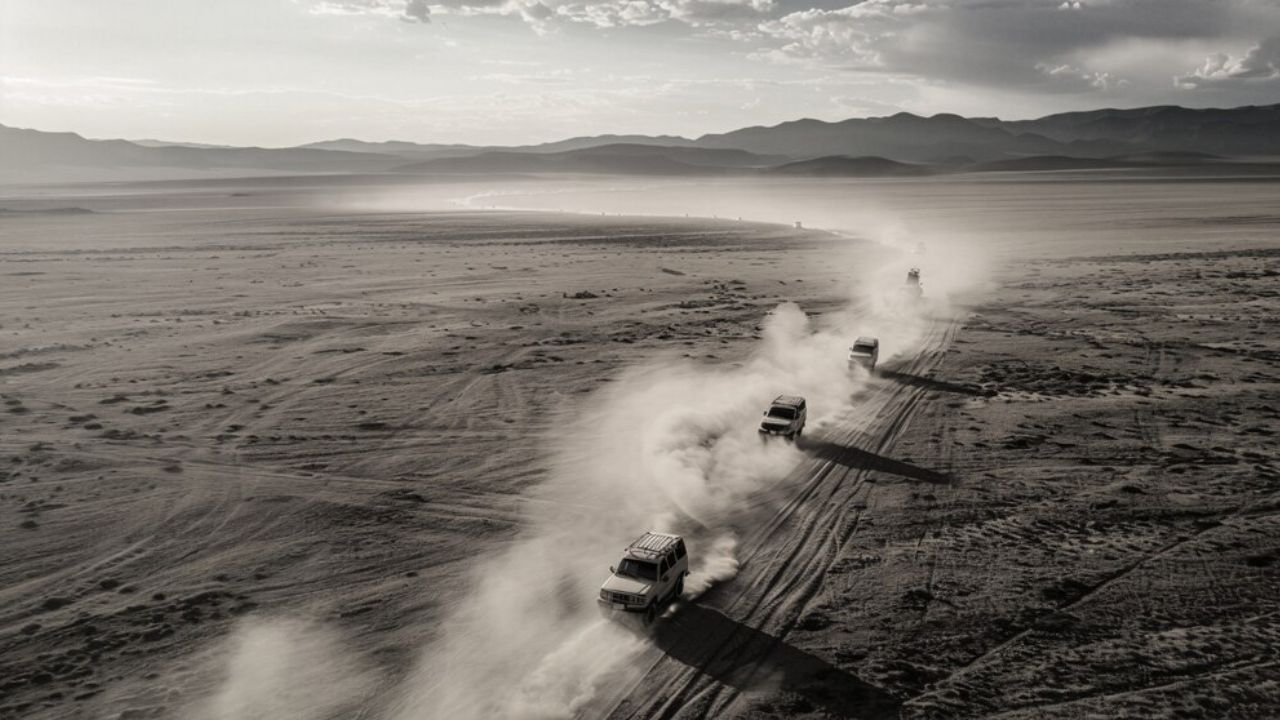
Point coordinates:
[(675, 594)]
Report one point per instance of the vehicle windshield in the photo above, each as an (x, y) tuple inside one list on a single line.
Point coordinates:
[(638, 569), (784, 413)]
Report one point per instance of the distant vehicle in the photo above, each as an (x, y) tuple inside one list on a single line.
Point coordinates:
[(865, 352), (913, 286), (650, 575), (785, 416)]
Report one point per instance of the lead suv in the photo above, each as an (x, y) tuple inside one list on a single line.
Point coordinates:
[(785, 416), (650, 575)]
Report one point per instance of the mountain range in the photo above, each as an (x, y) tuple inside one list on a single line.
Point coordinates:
[(896, 145)]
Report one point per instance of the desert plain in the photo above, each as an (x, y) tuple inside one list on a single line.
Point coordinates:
[(328, 449)]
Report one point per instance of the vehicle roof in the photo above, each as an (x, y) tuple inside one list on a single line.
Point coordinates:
[(652, 545), (792, 400), (865, 340)]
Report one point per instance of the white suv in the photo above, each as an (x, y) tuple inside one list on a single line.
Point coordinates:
[(785, 416), (650, 575), (865, 352)]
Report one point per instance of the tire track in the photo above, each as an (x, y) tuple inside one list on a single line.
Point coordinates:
[(1108, 581), (1040, 709)]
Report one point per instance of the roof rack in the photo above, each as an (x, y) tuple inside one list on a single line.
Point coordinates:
[(653, 544), (793, 400)]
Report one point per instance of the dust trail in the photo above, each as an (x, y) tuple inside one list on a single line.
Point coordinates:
[(670, 446), (286, 670)]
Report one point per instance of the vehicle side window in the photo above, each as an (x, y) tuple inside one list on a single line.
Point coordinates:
[(680, 549), (671, 559), (663, 570)]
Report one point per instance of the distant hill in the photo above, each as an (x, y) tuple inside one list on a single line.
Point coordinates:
[(903, 137), (620, 159), (582, 143), (897, 145), (34, 156), (428, 151), (1046, 163), (1249, 130), (399, 148), (842, 166), (942, 138), (167, 143)]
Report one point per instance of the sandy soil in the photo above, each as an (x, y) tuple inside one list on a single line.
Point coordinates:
[(211, 417), (288, 462), (1079, 520)]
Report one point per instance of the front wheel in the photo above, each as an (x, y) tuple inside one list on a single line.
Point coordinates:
[(650, 613)]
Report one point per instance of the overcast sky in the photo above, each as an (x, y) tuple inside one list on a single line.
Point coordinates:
[(282, 72)]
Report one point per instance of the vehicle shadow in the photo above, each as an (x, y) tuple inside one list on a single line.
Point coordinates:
[(747, 659), (931, 384), (857, 458)]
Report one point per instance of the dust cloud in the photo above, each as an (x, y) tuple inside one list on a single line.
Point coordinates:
[(671, 446), (281, 669), (668, 446)]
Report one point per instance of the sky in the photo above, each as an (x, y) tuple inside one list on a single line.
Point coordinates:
[(285, 72)]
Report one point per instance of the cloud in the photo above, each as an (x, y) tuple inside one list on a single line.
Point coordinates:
[(542, 15), (411, 11), (1260, 64), (1024, 47), (849, 36), (417, 11), (562, 76), (703, 12), (1071, 77), (637, 13), (355, 7)]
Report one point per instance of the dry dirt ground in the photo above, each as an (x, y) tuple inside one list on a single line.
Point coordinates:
[(1061, 503), (1080, 518), (208, 415)]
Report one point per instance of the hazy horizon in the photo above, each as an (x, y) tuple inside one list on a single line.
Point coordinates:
[(550, 140), (513, 72)]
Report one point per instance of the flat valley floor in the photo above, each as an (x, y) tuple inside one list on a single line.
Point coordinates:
[(221, 412)]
